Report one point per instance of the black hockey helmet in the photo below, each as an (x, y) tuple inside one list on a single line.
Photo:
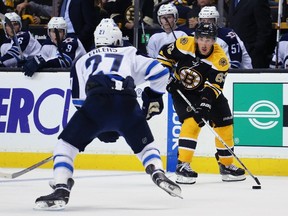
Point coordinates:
[(206, 30)]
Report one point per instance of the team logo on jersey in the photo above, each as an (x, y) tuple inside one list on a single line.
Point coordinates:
[(170, 48), (68, 40), (190, 78), (223, 62), (231, 34), (183, 41), (129, 14)]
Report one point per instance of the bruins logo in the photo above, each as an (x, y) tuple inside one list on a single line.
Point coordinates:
[(183, 41), (129, 14), (190, 78), (170, 48), (223, 62)]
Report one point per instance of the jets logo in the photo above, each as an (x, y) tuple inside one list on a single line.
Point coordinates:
[(231, 34)]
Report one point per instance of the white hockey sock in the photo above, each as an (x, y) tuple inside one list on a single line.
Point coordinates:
[(64, 155)]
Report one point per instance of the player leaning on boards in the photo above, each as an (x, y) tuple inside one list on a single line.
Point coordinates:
[(18, 45), (201, 68), (58, 51), (103, 83)]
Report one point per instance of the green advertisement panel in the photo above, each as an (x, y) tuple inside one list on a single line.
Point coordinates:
[(258, 114)]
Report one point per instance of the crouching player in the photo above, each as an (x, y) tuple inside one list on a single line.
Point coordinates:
[(103, 83)]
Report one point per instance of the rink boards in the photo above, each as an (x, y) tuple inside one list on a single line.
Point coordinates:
[(33, 111)]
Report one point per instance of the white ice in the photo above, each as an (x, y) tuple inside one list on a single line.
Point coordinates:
[(111, 193)]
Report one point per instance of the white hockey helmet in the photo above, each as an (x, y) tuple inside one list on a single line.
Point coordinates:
[(208, 12), (13, 17), (167, 9), (58, 23), (108, 33)]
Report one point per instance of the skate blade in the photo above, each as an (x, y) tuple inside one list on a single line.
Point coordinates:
[(231, 178), (57, 205), (174, 191), (185, 180)]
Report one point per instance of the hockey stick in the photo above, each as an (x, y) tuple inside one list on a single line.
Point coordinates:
[(280, 4), (219, 138), (14, 36), (22, 172), (170, 28), (59, 45)]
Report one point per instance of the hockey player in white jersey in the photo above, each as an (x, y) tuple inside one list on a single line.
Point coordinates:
[(58, 51), (229, 41), (103, 90), (280, 56), (167, 16), (14, 53)]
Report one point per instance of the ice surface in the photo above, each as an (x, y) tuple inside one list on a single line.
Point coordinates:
[(105, 193)]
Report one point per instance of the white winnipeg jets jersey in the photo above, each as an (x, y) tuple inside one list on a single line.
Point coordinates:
[(121, 61), (157, 40), (10, 53), (282, 61)]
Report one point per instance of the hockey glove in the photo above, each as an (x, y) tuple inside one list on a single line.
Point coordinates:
[(173, 85), (202, 112), (152, 103), (33, 65), (108, 137), (21, 63)]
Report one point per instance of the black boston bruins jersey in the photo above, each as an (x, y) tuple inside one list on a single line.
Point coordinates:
[(195, 71)]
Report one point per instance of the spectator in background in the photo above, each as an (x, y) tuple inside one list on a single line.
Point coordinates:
[(251, 20), (280, 55), (228, 40), (35, 12), (19, 45), (81, 20), (167, 18), (101, 13), (58, 51), (122, 12), (3, 8)]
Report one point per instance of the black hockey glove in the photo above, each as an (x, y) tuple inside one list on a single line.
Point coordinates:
[(152, 103), (33, 65), (108, 137), (202, 112), (173, 85), (21, 63)]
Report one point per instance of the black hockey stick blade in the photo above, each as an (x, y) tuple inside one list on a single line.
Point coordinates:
[(26, 170)]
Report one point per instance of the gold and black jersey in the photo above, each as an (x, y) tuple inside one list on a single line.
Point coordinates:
[(195, 72)]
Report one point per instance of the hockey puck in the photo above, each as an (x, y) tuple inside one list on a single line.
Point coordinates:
[(256, 187)]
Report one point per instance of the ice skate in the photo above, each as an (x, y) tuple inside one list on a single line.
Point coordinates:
[(163, 182), (184, 173), (230, 173), (56, 200)]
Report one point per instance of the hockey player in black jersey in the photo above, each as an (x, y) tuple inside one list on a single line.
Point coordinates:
[(200, 70), (103, 83)]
